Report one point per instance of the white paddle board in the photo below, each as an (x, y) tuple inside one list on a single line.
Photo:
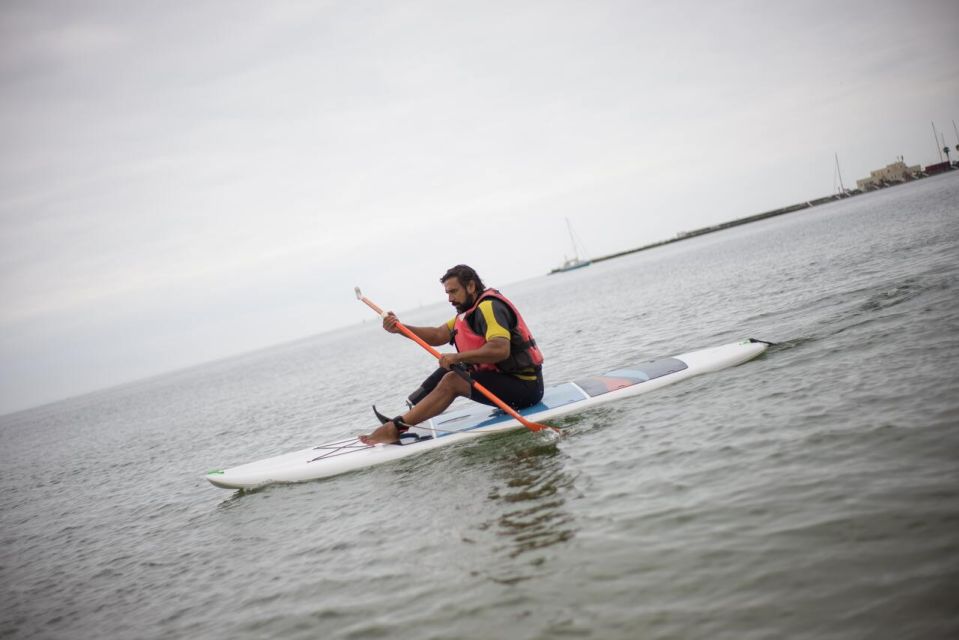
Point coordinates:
[(474, 420)]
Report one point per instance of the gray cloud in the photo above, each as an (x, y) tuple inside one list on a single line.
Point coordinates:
[(164, 163)]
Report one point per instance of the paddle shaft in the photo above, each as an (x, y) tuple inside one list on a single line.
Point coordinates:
[(532, 426)]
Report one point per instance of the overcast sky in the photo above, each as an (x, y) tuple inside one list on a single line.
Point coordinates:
[(180, 181)]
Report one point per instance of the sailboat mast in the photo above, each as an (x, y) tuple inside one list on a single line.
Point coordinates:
[(935, 138), (841, 186), (572, 239)]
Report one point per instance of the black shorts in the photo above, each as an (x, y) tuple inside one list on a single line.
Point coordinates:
[(517, 393)]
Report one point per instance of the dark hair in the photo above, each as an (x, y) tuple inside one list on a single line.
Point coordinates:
[(465, 275)]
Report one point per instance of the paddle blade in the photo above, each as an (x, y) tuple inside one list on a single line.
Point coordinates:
[(537, 427)]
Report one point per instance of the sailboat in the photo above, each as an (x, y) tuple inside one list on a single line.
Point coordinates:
[(575, 262), (841, 192)]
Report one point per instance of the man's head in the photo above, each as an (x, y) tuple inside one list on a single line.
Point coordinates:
[(463, 286)]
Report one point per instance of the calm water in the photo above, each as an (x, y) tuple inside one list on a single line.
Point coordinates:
[(811, 493)]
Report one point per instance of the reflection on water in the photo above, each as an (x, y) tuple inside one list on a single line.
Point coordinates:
[(531, 489)]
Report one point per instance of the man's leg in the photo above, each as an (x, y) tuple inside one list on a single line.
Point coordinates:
[(450, 387), (427, 385)]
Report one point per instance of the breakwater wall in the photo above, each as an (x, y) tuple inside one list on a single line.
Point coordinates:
[(849, 193), (685, 235)]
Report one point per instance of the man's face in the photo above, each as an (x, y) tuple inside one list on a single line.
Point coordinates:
[(459, 296)]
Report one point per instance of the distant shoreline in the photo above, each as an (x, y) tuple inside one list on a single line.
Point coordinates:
[(686, 235)]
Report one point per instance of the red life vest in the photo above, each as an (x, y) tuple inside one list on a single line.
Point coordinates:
[(523, 352)]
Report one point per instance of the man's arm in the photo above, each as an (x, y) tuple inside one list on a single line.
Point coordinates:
[(492, 352)]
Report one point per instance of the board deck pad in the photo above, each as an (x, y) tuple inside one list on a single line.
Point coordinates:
[(622, 378), (477, 415)]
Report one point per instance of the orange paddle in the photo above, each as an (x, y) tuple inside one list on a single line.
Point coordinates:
[(532, 426)]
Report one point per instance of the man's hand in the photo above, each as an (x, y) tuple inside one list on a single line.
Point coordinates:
[(449, 359), (389, 322)]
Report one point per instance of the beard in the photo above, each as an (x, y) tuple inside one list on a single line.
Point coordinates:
[(467, 304)]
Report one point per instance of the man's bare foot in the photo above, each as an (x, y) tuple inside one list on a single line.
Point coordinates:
[(385, 433)]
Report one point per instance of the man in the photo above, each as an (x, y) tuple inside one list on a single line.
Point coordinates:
[(492, 343)]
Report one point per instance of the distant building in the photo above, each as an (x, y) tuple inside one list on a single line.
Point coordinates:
[(890, 174)]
